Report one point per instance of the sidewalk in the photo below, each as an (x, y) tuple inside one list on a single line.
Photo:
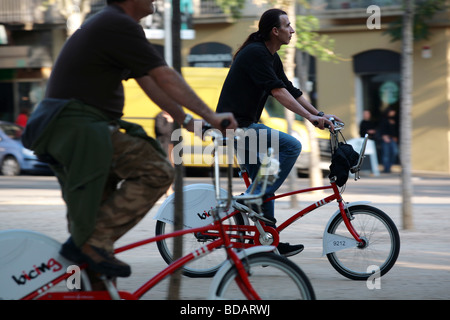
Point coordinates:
[(422, 270)]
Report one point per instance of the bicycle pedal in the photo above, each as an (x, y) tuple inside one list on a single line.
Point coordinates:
[(241, 207), (204, 237), (254, 215)]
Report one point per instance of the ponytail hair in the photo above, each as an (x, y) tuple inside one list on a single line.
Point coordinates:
[(270, 19)]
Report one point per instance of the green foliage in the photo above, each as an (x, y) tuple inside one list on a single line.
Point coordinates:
[(231, 7), (315, 44), (424, 11), (308, 40)]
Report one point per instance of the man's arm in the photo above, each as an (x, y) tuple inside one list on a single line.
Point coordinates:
[(305, 103), (161, 99), (175, 88), (302, 107)]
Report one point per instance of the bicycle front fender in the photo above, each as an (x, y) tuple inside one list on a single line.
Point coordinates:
[(228, 265), (333, 242)]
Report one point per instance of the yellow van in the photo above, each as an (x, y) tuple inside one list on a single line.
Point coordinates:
[(207, 83)]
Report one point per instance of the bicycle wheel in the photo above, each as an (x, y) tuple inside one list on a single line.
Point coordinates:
[(381, 243), (273, 277), (206, 266)]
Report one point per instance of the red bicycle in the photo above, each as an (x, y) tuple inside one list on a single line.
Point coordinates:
[(357, 237), (254, 273)]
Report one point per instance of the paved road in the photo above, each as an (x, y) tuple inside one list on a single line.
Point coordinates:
[(421, 272)]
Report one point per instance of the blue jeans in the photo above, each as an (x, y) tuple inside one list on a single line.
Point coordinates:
[(259, 138), (389, 154)]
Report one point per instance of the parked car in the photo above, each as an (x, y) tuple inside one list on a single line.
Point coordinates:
[(14, 157)]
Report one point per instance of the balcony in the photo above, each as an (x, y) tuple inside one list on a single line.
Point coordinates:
[(30, 13), (207, 11), (355, 4), (354, 9), (209, 7), (27, 13)]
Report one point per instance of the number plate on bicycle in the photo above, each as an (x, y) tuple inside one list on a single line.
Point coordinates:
[(334, 242)]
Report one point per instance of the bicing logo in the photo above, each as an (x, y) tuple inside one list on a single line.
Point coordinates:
[(205, 214), (51, 265)]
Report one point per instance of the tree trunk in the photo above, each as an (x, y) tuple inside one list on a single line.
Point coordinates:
[(289, 65), (315, 173), (175, 279), (405, 114)]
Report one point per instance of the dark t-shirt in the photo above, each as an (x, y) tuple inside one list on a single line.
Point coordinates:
[(255, 72), (108, 48)]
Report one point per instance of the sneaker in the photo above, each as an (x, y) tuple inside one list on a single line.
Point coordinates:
[(98, 260), (239, 205), (287, 250)]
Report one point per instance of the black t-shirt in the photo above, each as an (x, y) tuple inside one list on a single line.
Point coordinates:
[(108, 48), (255, 72)]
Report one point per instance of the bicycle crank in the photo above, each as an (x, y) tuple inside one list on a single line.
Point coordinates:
[(266, 239), (265, 235)]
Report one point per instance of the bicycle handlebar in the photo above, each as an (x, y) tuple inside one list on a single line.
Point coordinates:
[(338, 126), (224, 123), (334, 138), (206, 126)]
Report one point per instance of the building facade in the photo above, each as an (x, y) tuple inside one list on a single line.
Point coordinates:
[(367, 77)]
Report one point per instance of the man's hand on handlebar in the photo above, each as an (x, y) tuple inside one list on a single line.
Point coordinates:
[(321, 122), (223, 121), (326, 121), (332, 116)]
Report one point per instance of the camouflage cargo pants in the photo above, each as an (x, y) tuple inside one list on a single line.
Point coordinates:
[(139, 176)]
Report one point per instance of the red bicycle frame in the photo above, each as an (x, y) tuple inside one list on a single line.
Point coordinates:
[(275, 232), (222, 240), (335, 196)]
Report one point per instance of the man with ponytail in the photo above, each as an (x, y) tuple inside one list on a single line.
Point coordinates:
[(256, 73)]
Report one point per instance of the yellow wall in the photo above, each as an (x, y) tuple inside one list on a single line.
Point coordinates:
[(431, 102), (336, 82), (432, 105)]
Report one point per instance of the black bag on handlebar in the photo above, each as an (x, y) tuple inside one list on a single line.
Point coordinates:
[(342, 160)]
